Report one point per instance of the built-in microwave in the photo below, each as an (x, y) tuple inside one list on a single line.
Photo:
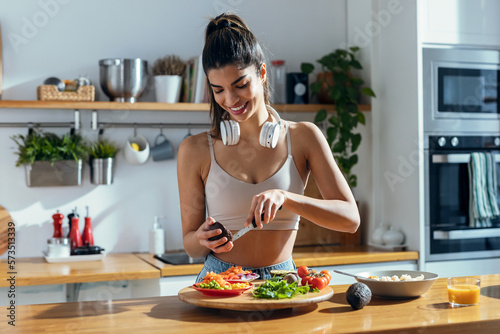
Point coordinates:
[(461, 89)]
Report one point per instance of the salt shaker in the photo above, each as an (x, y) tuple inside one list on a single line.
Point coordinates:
[(58, 247)]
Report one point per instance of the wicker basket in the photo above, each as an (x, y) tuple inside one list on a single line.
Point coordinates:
[(50, 93)]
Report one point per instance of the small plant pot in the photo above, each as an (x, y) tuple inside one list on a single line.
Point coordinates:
[(101, 171), (326, 79), (168, 88), (59, 173)]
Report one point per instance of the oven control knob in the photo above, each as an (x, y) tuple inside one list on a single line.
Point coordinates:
[(497, 141), (442, 141), (454, 141)]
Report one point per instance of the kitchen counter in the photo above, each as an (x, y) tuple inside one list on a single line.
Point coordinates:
[(312, 256), (429, 313), (126, 266), (113, 267)]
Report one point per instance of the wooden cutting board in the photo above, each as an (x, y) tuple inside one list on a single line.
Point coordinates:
[(5, 218), (246, 302)]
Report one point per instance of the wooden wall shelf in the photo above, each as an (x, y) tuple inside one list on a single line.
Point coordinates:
[(153, 106)]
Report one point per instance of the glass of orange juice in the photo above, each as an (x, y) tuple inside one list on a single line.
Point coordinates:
[(463, 291)]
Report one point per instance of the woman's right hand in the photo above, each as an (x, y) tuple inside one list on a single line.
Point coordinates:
[(204, 233)]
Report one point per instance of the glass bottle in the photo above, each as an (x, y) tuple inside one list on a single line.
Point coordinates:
[(278, 81), (74, 234)]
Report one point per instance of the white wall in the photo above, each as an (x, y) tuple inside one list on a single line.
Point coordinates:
[(70, 39), (396, 121)]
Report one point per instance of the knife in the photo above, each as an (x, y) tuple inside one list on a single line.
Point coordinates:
[(244, 230)]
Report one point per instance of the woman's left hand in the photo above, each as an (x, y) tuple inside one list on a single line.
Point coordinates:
[(264, 207)]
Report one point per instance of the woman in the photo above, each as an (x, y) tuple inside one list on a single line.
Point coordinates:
[(251, 164)]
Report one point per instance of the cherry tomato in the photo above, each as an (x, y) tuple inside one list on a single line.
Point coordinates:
[(327, 274), (314, 279), (307, 280), (302, 271), (319, 282)]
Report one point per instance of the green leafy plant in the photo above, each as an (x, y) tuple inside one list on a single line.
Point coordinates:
[(344, 90), (47, 146), (103, 149)]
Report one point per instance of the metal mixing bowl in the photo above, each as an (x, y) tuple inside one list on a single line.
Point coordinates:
[(123, 80)]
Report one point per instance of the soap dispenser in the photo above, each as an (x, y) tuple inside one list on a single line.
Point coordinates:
[(156, 238)]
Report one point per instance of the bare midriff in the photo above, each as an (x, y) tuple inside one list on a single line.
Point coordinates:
[(261, 248)]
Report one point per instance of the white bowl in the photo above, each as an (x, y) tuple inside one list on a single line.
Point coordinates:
[(398, 289)]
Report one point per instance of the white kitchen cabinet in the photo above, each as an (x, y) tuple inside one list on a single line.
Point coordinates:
[(101, 291), (25, 295), (464, 22), (464, 267), (170, 286)]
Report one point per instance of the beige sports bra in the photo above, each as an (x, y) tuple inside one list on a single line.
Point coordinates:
[(228, 199)]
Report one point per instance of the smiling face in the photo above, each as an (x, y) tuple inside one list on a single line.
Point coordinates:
[(240, 92)]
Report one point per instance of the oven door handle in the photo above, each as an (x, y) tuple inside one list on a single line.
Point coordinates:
[(467, 234), (458, 158)]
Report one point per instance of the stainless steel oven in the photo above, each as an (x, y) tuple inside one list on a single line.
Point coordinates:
[(461, 89), (448, 235)]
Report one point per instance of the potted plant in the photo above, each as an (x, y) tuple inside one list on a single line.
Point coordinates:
[(101, 160), (168, 73), (49, 159), (344, 90)]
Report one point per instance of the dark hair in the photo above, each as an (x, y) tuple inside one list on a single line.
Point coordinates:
[(229, 41)]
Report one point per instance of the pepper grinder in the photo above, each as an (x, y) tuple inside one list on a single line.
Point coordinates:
[(87, 237), (58, 220), (74, 234)]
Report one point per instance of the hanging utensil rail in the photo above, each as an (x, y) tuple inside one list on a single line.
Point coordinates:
[(152, 125), (75, 125)]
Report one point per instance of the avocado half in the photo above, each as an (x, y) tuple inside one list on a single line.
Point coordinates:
[(225, 233)]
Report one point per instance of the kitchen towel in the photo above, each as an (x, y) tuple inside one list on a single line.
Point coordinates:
[(483, 189)]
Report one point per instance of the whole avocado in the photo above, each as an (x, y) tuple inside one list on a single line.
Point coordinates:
[(358, 295)]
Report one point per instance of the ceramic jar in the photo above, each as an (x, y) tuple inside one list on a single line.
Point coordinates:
[(393, 237), (377, 235)]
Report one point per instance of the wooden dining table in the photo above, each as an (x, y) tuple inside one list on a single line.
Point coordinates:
[(429, 313)]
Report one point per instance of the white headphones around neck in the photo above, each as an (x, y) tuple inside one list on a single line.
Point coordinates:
[(269, 134)]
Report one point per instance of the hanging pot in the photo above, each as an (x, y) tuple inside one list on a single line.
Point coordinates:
[(101, 171), (59, 173)]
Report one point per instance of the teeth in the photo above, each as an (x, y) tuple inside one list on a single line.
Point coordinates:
[(238, 108)]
